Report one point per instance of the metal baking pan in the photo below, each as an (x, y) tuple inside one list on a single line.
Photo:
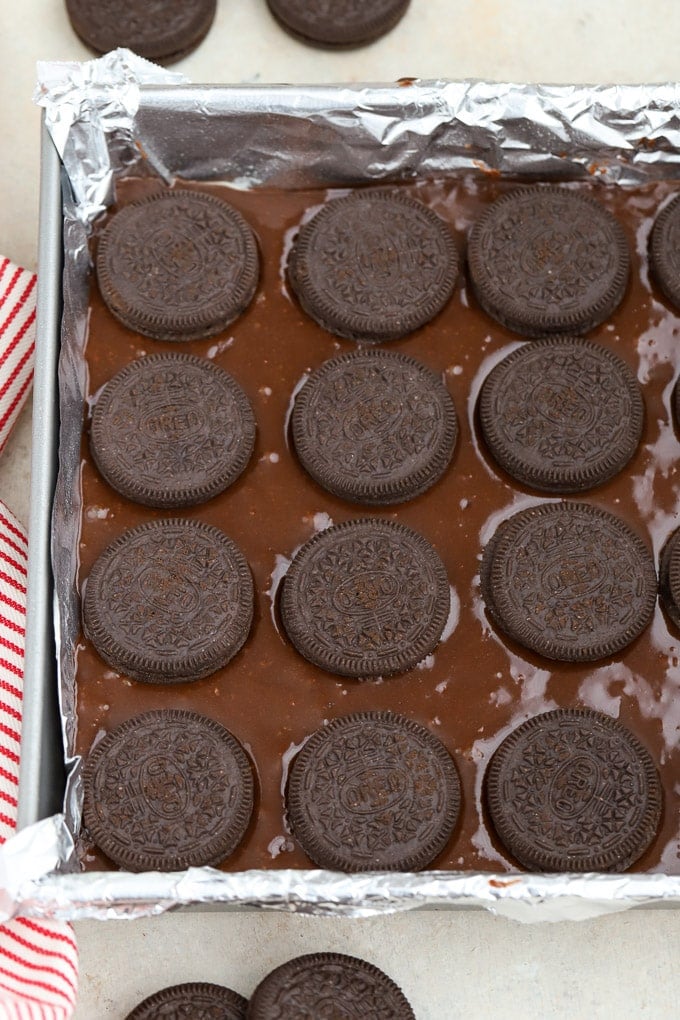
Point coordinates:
[(42, 778), (627, 135)]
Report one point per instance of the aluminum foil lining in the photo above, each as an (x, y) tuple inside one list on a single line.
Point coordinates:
[(120, 115), (110, 895), (114, 115)]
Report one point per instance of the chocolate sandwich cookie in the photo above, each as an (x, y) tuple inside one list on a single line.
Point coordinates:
[(328, 985), (178, 265), (169, 601), (561, 414), (373, 266), (568, 581), (373, 792), (548, 260), (573, 790), (338, 25), (172, 430), (160, 30), (167, 790), (374, 427), (669, 577), (664, 251), (365, 598), (675, 404), (197, 1000)]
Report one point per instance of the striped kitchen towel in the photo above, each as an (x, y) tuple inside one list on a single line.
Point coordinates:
[(38, 961), (17, 342)]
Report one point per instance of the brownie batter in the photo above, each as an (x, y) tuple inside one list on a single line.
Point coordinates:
[(476, 686)]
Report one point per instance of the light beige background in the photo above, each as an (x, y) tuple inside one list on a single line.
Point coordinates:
[(459, 965)]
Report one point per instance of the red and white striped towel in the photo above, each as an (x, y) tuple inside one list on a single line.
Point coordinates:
[(38, 961), (17, 342)]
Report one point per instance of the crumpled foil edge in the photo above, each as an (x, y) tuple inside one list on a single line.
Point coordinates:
[(121, 895)]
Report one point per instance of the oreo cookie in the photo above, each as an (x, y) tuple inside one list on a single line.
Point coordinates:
[(569, 581), (675, 404), (374, 427), (548, 260), (167, 790), (669, 578), (365, 598), (339, 25), (160, 30), (328, 985), (561, 414), (373, 792), (664, 251), (573, 790), (177, 265), (169, 601), (195, 999), (373, 266), (172, 430)]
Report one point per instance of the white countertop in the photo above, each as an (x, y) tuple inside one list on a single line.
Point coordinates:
[(449, 964)]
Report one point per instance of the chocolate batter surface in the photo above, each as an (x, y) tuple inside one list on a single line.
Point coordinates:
[(476, 686)]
